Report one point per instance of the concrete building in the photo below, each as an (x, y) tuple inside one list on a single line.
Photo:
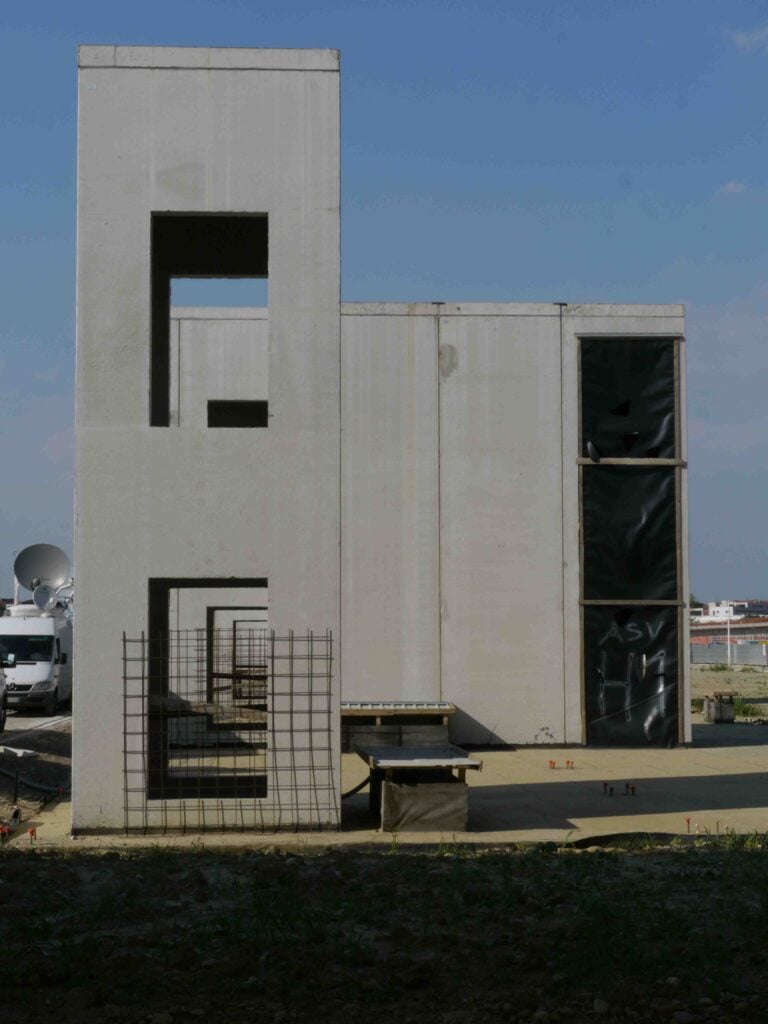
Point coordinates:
[(481, 504), (720, 611)]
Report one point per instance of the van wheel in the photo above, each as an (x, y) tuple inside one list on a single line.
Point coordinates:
[(53, 704), (3, 715)]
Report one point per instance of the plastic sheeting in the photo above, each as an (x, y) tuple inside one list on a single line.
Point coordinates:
[(631, 673), (630, 540), (424, 806), (628, 398)]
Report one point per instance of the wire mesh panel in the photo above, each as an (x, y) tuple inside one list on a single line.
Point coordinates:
[(229, 729)]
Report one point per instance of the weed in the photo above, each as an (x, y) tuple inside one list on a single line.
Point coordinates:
[(567, 842), (755, 841), (734, 841), (446, 849), (744, 710), (159, 856)]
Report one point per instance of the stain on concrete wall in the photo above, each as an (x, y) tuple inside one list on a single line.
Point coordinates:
[(449, 361)]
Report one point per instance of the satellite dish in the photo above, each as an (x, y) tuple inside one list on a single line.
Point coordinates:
[(44, 597), (41, 564)]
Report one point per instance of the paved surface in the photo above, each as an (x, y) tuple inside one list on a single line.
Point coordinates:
[(22, 723), (719, 783)]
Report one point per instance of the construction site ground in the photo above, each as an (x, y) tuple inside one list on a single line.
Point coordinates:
[(715, 785), (563, 902)]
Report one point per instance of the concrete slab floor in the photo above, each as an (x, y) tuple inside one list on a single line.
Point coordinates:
[(719, 783)]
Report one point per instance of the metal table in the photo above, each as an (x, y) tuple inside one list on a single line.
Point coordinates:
[(415, 789)]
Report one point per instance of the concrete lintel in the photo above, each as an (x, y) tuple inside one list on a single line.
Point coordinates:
[(448, 309), (219, 313), (507, 309), (225, 58), (608, 309)]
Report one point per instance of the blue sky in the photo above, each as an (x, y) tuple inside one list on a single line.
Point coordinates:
[(509, 150)]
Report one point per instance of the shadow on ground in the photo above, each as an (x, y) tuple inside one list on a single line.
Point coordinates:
[(54, 742), (535, 806), (558, 805), (729, 734)]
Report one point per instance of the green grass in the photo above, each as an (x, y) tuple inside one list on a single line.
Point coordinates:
[(742, 709)]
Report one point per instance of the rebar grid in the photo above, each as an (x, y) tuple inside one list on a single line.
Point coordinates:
[(229, 729)]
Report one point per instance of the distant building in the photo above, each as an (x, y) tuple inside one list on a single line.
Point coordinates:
[(719, 611), (755, 607), (722, 611)]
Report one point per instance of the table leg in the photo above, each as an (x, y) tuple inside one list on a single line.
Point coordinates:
[(374, 792)]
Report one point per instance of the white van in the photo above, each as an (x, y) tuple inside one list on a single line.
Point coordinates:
[(36, 655)]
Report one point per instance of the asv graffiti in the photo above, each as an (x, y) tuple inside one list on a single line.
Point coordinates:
[(632, 632), (615, 696)]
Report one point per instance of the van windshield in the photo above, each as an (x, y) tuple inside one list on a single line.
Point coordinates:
[(26, 648)]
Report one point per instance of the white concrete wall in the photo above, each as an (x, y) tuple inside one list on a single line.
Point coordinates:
[(460, 522), (199, 130), (215, 354), (501, 523), (460, 557), (390, 499), (188, 607)]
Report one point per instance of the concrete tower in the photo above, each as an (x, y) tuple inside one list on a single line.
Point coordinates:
[(208, 451)]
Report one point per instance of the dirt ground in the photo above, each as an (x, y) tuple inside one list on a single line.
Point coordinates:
[(671, 934), (455, 936), (747, 682), (51, 768)]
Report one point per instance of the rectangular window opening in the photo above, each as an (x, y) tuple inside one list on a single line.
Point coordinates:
[(210, 256), (207, 722), (225, 413)]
